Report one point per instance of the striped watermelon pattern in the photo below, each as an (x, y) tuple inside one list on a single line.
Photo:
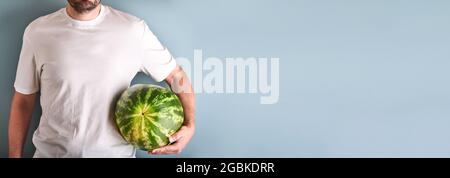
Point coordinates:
[(147, 115)]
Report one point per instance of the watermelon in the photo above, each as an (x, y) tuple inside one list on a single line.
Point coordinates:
[(147, 115)]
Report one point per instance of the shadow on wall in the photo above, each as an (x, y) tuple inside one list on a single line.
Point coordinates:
[(14, 18)]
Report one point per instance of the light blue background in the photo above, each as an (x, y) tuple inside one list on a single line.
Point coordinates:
[(359, 78)]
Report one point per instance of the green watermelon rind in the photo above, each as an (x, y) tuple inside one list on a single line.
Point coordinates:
[(163, 116)]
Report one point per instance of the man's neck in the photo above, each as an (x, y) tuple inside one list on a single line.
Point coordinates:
[(83, 16)]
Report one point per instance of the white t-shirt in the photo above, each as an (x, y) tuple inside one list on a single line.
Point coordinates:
[(80, 69)]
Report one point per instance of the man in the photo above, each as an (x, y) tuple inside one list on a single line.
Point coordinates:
[(81, 58)]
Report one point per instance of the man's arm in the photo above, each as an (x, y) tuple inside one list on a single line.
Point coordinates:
[(19, 121), (181, 85)]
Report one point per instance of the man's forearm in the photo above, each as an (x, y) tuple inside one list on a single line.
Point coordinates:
[(181, 85), (188, 102), (19, 121)]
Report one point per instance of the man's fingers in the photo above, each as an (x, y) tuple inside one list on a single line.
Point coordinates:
[(170, 149), (178, 141), (176, 136)]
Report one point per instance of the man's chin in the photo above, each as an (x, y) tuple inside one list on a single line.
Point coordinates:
[(84, 6)]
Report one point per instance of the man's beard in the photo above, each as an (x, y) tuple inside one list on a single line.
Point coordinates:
[(84, 6)]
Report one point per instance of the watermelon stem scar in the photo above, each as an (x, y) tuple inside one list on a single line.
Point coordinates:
[(145, 110)]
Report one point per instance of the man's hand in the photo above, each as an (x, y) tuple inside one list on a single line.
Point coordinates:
[(180, 84), (179, 141)]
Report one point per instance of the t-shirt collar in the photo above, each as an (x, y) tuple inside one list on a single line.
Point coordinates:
[(88, 23)]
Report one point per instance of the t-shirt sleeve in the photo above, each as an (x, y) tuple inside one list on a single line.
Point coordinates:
[(28, 74), (157, 61)]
